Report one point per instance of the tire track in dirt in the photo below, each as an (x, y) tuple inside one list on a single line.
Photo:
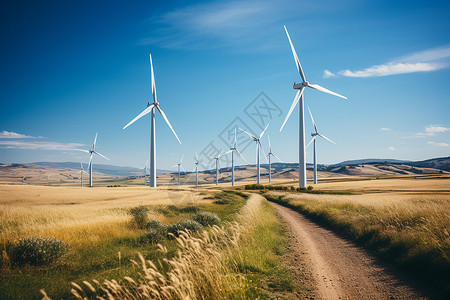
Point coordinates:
[(332, 268)]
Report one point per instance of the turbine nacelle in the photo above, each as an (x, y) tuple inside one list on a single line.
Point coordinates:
[(298, 86)]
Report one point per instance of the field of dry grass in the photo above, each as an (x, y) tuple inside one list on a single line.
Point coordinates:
[(406, 220)]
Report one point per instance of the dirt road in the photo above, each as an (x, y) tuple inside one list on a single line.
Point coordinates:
[(332, 268)]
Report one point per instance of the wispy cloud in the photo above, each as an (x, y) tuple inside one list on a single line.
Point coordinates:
[(385, 129), (328, 74), (431, 130), (13, 135), (423, 61), (392, 148), (438, 144), (38, 145)]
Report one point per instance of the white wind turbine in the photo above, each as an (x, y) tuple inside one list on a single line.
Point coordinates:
[(268, 155), (314, 135), (233, 150), (151, 108), (47, 179), (218, 166), (197, 163), (299, 97), (81, 172), (145, 173), (258, 145), (92, 152), (180, 167)]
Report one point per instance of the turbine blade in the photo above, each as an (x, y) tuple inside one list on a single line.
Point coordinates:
[(143, 113), (249, 134), (168, 123), (264, 153), (196, 157), (322, 89), (182, 156), (95, 141), (276, 157), (174, 166), (297, 62), (315, 128), (229, 151), (262, 133), (310, 141), (81, 150), (235, 132), (294, 103), (326, 138), (220, 154), (155, 99), (239, 153), (182, 169), (101, 155), (270, 147)]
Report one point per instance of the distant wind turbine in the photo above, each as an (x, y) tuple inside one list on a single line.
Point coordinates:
[(218, 166), (197, 163), (258, 145), (151, 108), (233, 150), (180, 167), (23, 180), (145, 173), (299, 97), (81, 172), (314, 135), (268, 155), (92, 152), (47, 180)]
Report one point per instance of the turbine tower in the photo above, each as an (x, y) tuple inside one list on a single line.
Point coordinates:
[(258, 145), (179, 169), (299, 97), (47, 179), (196, 168), (145, 173), (151, 109), (218, 166), (232, 150), (314, 135), (81, 172), (92, 152), (268, 155)]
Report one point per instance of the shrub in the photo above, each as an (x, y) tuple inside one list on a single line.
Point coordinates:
[(309, 188), (140, 217), (207, 218), (155, 225), (184, 225), (190, 209), (37, 250), (254, 187)]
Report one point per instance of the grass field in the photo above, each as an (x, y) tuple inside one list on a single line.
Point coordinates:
[(103, 242), (407, 221)]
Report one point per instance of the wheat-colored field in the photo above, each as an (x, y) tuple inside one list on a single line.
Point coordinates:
[(79, 216)]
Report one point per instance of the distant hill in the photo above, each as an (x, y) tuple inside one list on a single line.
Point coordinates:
[(371, 160), (442, 163), (105, 169)]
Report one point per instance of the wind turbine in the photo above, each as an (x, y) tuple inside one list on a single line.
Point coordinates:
[(232, 150), (179, 168), (47, 180), (314, 135), (92, 152), (23, 180), (145, 173), (151, 108), (299, 97), (81, 172), (268, 155), (258, 145), (218, 166), (196, 168)]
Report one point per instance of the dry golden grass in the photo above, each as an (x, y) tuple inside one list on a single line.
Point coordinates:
[(78, 216), (203, 268)]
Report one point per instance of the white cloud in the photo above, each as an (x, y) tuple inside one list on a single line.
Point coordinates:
[(37, 145), (385, 129), (391, 148), (13, 135), (423, 61), (392, 69), (328, 74), (431, 130), (438, 144)]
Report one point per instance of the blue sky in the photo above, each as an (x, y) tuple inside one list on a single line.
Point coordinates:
[(70, 69)]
